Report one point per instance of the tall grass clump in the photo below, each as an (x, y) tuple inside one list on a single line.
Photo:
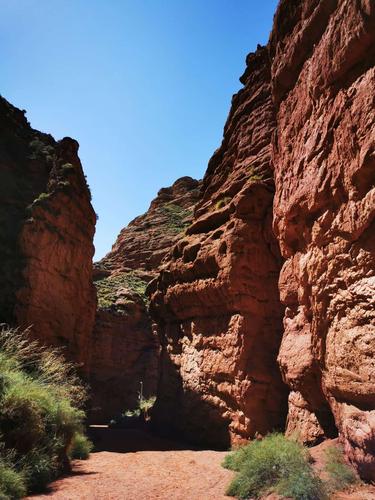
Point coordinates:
[(339, 473), (41, 415), (273, 464)]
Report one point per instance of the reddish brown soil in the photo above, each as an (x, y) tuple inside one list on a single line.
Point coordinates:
[(134, 465)]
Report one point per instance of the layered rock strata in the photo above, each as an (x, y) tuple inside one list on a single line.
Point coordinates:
[(125, 350), (217, 293), (323, 80), (216, 301), (46, 246)]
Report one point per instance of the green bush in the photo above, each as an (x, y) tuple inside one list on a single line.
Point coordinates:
[(40, 412), (145, 405), (12, 482), (80, 447), (273, 464), (340, 474)]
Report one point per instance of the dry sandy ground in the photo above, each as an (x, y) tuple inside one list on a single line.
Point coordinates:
[(138, 466), (135, 465)]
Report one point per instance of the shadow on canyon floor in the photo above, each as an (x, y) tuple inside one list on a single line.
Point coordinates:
[(132, 440)]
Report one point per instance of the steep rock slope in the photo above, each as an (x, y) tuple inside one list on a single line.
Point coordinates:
[(125, 350), (323, 76), (216, 301), (143, 244), (46, 245)]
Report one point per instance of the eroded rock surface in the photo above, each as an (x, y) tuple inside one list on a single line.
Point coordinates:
[(216, 301), (125, 350), (143, 244), (323, 78), (47, 229)]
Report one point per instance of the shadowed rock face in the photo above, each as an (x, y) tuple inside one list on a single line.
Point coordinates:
[(125, 350), (216, 301), (46, 246), (323, 79)]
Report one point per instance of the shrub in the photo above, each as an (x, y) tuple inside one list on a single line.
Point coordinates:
[(132, 418), (340, 474), (67, 167), (274, 464), (12, 482), (255, 175), (222, 202), (302, 485), (40, 411), (42, 197), (145, 405), (80, 447)]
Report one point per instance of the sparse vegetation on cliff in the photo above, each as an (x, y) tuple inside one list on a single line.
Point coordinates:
[(177, 217), (41, 150), (222, 202), (107, 288), (68, 167), (41, 416), (42, 197)]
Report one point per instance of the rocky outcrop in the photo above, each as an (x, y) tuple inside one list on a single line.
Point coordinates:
[(46, 245), (323, 78), (125, 350), (143, 244), (216, 301)]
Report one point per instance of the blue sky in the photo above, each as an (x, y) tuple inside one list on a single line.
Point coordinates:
[(143, 85)]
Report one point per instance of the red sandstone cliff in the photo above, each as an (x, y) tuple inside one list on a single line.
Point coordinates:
[(46, 245), (125, 350), (303, 124), (216, 301), (323, 79)]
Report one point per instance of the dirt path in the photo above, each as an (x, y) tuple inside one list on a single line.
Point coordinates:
[(134, 465)]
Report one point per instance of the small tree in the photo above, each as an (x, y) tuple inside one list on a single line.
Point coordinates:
[(145, 404)]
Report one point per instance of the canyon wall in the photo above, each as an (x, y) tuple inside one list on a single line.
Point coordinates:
[(216, 301), (125, 349), (323, 81), (304, 121), (46, 246), (263, 298)]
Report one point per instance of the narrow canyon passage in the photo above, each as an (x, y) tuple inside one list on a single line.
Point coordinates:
[(133, 464)]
